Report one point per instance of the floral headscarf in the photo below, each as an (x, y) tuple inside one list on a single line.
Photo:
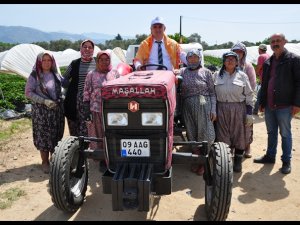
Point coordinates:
[(38, 65), (98, 65), (191, 52)]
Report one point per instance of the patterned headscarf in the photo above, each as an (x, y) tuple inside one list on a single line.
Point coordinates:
[(38, 64), (242, 47), (98, 65), (190, 53)]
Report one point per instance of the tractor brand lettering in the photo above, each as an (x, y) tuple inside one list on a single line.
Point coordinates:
[(133, 90)]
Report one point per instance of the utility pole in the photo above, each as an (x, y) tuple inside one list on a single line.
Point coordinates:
[(180, 36)]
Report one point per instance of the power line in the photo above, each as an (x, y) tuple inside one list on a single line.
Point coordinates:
[(240, 22)]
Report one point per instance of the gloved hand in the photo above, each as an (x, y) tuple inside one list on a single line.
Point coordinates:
[(249, 120), (87, 111), (49, 103)]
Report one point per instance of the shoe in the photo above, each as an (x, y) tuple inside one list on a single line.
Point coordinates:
[(247, 155), (286, 168), (237, 163), (264, 159), (247, 152)]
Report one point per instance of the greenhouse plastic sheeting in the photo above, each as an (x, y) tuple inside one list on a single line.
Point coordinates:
[(252, 52), (21, 58)]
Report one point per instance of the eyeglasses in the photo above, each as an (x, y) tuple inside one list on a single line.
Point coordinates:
[(276, 40), (87, 47), (157, 26)]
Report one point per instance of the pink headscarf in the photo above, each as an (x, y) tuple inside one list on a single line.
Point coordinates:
[(86, 55), (97, 61)]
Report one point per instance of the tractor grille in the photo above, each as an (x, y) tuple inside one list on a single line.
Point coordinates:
[(156, 135)]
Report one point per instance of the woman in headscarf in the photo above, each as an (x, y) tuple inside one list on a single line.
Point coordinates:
[(199, 102), (234, 107), (43, 88), (74, 82), (241, 50), (95, 79)]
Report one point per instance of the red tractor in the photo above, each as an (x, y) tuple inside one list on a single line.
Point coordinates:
[(139, 129)]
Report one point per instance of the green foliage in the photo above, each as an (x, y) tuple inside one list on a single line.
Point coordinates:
[(195, 37), (59, 45), (13, 88), (221, 46), (63, 69), (9, 196), (176, 37), (119, 37), (6, 46), (123, 44), (43, 44), (210, 60), (140, 38), (118, 41)]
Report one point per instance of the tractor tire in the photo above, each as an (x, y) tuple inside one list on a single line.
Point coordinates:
[(68, 175), (218, 182)]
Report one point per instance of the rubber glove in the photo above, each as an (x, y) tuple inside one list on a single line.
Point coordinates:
[(49, 103), (249, 120)]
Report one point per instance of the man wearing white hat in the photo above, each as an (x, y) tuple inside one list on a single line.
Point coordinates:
[(158, 48)]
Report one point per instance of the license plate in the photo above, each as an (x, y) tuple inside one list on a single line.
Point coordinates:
[(135, 148)]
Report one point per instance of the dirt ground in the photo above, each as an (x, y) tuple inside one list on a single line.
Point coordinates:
[(260, 192)]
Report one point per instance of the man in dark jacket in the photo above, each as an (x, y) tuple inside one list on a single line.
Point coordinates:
[(280, 99)]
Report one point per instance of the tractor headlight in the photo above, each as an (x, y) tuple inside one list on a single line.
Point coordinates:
[(152, 119), (117, 119)]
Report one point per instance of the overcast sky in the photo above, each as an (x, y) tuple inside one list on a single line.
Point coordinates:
[(216, 23)]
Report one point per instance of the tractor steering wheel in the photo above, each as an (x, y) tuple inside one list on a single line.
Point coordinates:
[(143, 67)]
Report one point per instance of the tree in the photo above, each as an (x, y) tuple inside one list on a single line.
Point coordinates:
[(118, 37), (248, 44), (101, 46), (5, 46), (76, 45), (60, 45), (43, 44), (266, 41), (140, 38), (204, 45), (195, 37), (176, 37)]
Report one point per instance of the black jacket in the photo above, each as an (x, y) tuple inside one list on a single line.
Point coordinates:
[(287, 80), (71, 95)]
